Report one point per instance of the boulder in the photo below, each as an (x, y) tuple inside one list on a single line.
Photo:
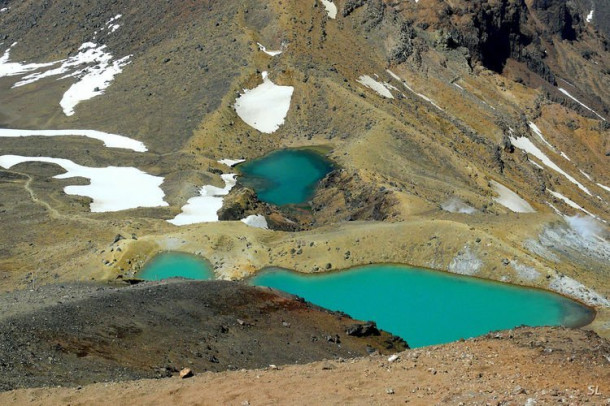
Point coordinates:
[(363, 330), (186, 373)]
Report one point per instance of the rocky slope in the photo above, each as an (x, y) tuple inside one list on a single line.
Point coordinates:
[(523, 366), (506, 63), (95, 333), (423, 106)]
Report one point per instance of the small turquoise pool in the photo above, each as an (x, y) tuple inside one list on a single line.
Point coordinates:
[(176, 265), (427, 307), (285, 177)]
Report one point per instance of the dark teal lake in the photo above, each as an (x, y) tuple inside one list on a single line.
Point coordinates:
[(285, 177), (176, 265), (428, 307)]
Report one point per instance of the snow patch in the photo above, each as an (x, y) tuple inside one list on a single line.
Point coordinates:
[(111, 24), (526, 145), (510, 199), (265, 107), (92, 83), (231, 162), (109, 140), (465, 262), (270, 53), (331, 8), (590, 16), (564, 91), (256, 220), (571, 287), (378, 87), (204, 208), (97, 74), (455, 205), (111, 188)]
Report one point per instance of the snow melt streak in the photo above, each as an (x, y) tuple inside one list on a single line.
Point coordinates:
[(378, 87), (564, 91), (526, 145)]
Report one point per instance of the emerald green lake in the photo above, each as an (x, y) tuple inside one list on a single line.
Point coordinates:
[(285, 177), (428, 307), (176, 265)]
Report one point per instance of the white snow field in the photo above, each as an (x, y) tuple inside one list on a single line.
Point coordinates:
[(111, 188), (564, 91), (204, 208), (265, 107), (93, 66), (109, 140), (331, 8), (264, 49), (526, 145), (256, 220), (510, 199), (378, 87), (590, 16)]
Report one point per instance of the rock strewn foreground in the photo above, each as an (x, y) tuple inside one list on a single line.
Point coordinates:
[(524, 366), (153, 330)]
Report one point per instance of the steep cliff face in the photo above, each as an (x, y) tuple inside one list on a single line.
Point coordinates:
[(494, 31), (559, 17)]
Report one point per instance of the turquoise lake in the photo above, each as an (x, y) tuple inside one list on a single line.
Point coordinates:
[(285, 177), (176, 265), (428, 307)]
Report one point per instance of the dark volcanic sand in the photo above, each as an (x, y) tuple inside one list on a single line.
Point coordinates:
[(99, 333)]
